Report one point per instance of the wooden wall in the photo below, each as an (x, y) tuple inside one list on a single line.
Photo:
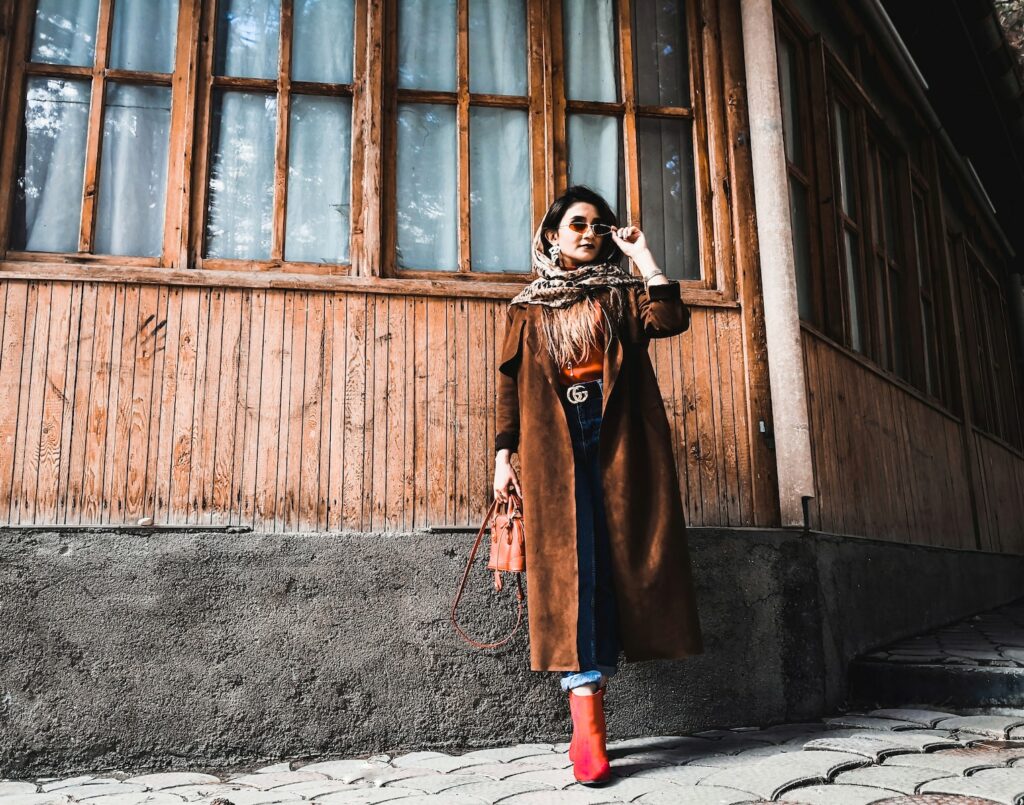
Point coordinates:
[(892, 466), (294, 410)]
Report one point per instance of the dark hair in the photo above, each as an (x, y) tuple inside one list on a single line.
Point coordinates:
[(580, 193)]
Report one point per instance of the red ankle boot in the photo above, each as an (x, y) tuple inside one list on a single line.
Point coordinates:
[(587, 748)]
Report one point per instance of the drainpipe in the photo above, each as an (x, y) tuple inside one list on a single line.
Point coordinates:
[(778, 269)]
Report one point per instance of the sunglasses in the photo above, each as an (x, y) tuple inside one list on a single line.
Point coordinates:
[(599, 229)]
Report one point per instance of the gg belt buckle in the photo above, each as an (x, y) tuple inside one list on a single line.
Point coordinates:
[(577, 393)]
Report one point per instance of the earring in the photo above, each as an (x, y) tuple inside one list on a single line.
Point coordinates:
[(554, 251)]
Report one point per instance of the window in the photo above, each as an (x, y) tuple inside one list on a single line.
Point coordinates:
[(409, 138)]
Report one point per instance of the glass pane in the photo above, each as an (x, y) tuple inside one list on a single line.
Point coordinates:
[(590, 48), (661, 53), (882, 312), (133, 170), (239, 215), (144, 35), (844, 155), (851, 256), (248, 32), (427, 203), (497, 47), (426, 44), (499, 170), (790, 110), (319, 155), (595, 157), (323, 41), (801, 247), (65, 32), (899, 336), (48, 198), (668, 197), (888, 207)]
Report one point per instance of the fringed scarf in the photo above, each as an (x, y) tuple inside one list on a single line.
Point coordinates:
[(570, 313)]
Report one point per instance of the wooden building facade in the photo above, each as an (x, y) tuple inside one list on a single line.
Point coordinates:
[(256, 257)]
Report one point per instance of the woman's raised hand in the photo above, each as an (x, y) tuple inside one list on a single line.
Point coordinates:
[(505, 477), (630, 240)]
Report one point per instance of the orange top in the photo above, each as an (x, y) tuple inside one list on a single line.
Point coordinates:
[(592, 365)]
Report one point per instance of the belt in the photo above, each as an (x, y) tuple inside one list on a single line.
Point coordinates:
[(579, 393)]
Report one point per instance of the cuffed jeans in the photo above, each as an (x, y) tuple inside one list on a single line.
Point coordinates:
[(597, 623)]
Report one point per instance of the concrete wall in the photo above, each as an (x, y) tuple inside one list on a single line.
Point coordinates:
[(136, 650)]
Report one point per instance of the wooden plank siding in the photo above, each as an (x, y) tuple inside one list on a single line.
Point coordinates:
[(292, 410), (887, 464)]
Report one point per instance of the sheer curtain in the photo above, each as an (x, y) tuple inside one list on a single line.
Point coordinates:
[(322, 40), (65, 32)]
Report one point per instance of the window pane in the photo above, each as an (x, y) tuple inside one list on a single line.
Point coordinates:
[(788, 88), (595, 157), (590, 48), (427, 202), (668, 198), (48, 199), (65, 32), (319, 154), (241, 196), (248, 32), (426, 44), (844, 156), (850, 258), (801, 248), (497, 47), (499, 169), (323, 41), (661, 53), (144, 35), (133, 170)]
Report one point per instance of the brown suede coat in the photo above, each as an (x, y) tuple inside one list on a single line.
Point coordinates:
[(654, 586)]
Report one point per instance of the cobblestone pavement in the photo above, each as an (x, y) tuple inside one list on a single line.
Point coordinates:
[(992, 639), (891, 756)]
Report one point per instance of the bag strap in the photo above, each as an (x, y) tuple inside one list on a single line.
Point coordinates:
[(462, 586)]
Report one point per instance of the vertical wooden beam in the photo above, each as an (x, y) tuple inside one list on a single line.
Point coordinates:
[(380, 209), (95, 130), (627, 88), (362, 102), (462, 125), (200, 157), (556, 76), (15, 99), (284, 81), (538, 88)]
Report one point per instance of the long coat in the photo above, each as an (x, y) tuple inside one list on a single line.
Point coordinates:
[(653, 581)]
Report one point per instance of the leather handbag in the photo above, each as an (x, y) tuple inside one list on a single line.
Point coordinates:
[(508, 555)]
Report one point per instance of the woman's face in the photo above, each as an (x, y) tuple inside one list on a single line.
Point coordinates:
[(577, 248)]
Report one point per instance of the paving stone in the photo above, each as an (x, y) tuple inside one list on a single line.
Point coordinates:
[(597, 796), (42, 798), (270, 780), (387, 774), (250, 796), (500, 771), (679, 775), (555, 778), (627, 789), (345, 770), (67, 783), (783, 733), (725, 761), (436, 783), (449, 763), (87, 791), (871, 722), (939, 761), (696, 795), (195, 793), (367, 795), (904, 779), (558, 760), (994, 726), (415, 758), (668, 757), (769, 777), (654, 743), (313, 788), (506, 754), (10, 787), (156, 782), (140, 798), (453, 798), (837, 795), (878, 745), (926, 718), (1002, 785), (493, 790), (276, 768)]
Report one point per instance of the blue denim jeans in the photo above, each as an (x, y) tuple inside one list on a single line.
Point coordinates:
[(597, 624)]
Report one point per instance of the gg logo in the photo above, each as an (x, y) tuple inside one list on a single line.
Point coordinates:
[(576, 394)]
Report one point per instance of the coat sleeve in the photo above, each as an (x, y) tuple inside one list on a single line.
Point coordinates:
[(507, 437), (661, 310)]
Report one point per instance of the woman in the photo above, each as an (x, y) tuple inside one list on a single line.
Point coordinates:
[(607, 561)]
